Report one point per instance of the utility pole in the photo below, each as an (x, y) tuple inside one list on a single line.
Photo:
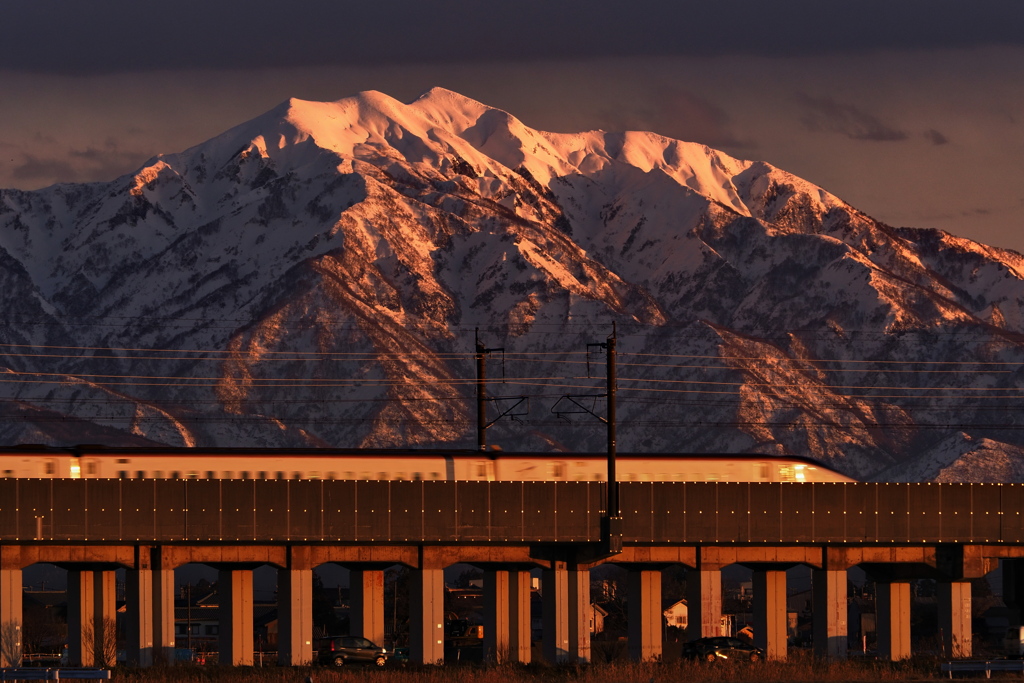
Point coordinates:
[(481, 394), (613, 489), (188, 620), (613, 531), (611, 523)]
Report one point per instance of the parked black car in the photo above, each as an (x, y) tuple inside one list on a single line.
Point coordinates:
[(722, 648), (342, 650)]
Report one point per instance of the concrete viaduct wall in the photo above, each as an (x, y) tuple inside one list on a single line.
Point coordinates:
[(897, 532)]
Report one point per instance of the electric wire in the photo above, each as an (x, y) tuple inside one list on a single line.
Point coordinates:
[(664, 388)]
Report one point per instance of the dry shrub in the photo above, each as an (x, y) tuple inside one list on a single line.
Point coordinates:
[(800, 669)]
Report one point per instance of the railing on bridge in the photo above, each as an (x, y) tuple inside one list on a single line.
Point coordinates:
[(320, 511)]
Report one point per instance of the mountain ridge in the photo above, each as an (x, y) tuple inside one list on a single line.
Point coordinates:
[(318, 270)]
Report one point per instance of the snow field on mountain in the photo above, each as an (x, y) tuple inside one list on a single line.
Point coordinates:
[(329, 262)]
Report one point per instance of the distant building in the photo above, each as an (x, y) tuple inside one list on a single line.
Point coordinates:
[(677, 615)]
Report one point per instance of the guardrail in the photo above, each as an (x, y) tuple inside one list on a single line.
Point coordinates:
[(988, 666), (51, 674)]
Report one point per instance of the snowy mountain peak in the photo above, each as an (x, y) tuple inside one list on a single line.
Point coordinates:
[(314, 277)]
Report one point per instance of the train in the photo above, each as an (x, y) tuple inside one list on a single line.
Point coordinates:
[(101, 462)]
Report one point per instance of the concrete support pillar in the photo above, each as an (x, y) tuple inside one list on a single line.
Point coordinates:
[(770, 632), (426, 616), (295, 617), (163, 614), (507, 616), (704, 603), (366, 613), (645, 615), (955, 618), (105, 627), (139, 615), (92, 614), (11, 592), (567, 614), (81, 617), (892, 615), (236, 626), (830, 613)]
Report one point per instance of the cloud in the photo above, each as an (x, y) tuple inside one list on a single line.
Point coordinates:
[(935, 137), (826, 115), (34, 168), (78, 165), (677, 113)]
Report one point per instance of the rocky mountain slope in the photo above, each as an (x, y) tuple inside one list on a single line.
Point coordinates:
[(315, 276)]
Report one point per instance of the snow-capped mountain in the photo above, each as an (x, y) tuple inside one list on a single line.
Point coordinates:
[(315, 276)]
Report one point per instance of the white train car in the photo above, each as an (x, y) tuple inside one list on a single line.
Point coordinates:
[(398, 465)]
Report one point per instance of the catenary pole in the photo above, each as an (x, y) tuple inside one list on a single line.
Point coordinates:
[(613, 484), (481, 394)]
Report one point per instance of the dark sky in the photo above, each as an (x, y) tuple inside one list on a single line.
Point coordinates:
[(78, 37), (909, 109)]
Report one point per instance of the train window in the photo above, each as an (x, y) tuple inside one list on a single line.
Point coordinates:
[(296, 475), (711, 476), (280, 475), (763, 471), (484, 470), (210, 474), (140, 475), (229, 475), (382, 476), (598, 476), (159, 474), (50, 467), (122, 474), (556, 470), (90, 467), (263, 475), (350, 475), (435, 475), (399, 476), (245, 475), (123, 461), (8, 473), (314, 475), (332, 476), (417, 476), (192, 475), (786, 473)]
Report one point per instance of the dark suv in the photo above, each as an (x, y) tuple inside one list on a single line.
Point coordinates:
[(341, 650), (715, 649)]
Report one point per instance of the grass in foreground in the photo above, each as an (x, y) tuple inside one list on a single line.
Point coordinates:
[(807, 671)]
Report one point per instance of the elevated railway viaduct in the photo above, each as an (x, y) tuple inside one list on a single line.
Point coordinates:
[(896, 532)]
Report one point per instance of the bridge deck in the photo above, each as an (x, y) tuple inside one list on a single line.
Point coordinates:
[(170, 511)]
